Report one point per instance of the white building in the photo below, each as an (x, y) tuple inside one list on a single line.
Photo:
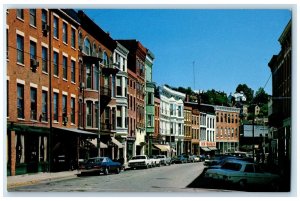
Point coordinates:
[(120, 57), (172, 118)]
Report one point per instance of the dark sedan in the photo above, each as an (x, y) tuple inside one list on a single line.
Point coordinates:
[(101, 165), (180, 159)]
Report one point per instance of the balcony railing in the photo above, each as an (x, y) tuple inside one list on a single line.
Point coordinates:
[(105, 91)]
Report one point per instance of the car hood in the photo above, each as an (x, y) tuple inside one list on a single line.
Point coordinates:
[(137, 160)]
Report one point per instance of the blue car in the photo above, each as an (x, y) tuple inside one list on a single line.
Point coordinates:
[(101, 165), (180, 159)]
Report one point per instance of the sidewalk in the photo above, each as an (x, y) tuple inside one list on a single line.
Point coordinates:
[(29, 179), (34, 178)]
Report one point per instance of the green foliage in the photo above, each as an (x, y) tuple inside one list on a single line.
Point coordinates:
[(261, 97), (247, 91), (214, 97)]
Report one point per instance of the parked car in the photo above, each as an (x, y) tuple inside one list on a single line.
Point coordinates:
[(139, 161), (218, 164), (202, 157), (244, 174), (101, 165), (164, 160), (180, 159), (155, 162), (213, 160)]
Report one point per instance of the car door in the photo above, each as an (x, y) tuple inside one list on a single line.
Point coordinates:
[(250, 175)]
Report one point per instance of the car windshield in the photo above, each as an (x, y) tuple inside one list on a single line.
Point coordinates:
[(232, 166), (138, 157), (94, 160), (160, 157)]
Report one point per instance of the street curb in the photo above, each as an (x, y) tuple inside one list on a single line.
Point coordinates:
[(36, 181)]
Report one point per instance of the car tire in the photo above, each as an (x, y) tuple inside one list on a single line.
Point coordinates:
[(118, 170), (106, 171), (242, 184)]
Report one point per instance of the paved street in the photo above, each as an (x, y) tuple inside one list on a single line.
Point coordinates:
[(174, 178)]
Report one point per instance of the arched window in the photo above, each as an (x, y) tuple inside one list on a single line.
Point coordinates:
[(87, 47), (100, 52), (105, 59)]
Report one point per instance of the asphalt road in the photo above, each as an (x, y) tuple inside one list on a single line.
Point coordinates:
[(174, 178)]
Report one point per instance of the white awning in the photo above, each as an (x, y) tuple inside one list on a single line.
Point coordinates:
[(213, 148), (205, 148), (162, 147), (94, 142), (116, 142)]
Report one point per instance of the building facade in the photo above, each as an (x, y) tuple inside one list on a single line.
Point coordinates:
[(227, 128), (149, 101), (187, 145), (280, 115), (136, 65), (172, 119), (41, 64), (97, 102), (120, 58)]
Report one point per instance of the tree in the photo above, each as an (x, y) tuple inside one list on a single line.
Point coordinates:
[(247, 91), (214, 97), (261, 97)]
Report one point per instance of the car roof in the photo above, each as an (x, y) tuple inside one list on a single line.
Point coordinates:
[(238, 161)]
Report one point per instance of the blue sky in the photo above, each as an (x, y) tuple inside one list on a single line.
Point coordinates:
[(228, 47)]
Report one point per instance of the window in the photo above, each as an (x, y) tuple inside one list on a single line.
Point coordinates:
[(64, 106), (87, 47), (150, 99), (44, 18), (73, 71), (179, 111), (55, 106), (44, 59), (20, 100), (55, 63), (88, 76), (119, 116), (33, 104), (20, 14), (106, 118), (65, 32), (89, 120), (73, 37), (119, 86), (20, 49), (97, 113), (149, 120), (33, 17), (105, 59), (96, 77), (55, 27), (65, 67), (179, 129), (249, 168), (44, 106), (32, 50), (113, 85)]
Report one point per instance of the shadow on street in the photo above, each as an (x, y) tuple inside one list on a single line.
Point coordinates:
[(202, 182)]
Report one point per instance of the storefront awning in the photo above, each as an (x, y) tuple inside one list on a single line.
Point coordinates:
[(205, 148), (162, 147), (102, 145), (116, 142), (213, 148), (77, 131)]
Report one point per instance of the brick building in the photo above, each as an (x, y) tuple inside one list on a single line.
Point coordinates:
[(136, 73), (187, 146), (41, 64), (227, 128)]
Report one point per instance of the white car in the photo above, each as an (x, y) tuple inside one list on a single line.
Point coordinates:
[(243, 173)]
